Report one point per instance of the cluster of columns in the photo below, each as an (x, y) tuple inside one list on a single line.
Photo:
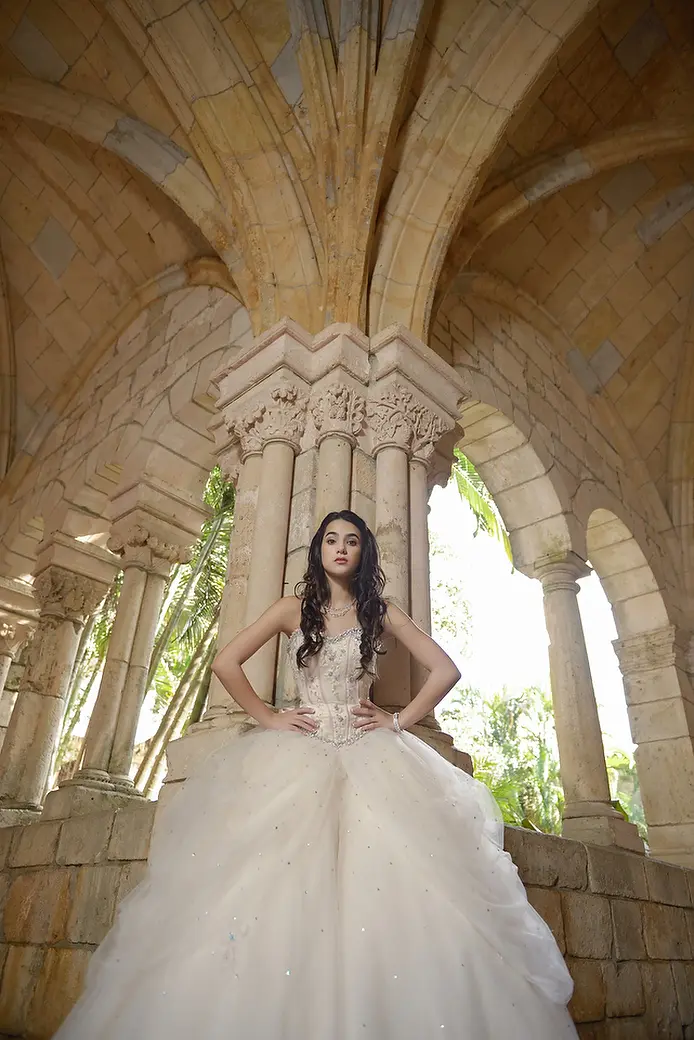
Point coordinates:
[(307, 425), (71, 580), (17, 624), (150, 532)]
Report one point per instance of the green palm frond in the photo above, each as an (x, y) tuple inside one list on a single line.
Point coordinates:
[(473, 490)]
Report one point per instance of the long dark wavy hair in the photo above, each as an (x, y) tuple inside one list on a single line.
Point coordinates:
[(367, 584)]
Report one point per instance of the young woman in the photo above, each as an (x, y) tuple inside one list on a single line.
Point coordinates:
[(328, 876)]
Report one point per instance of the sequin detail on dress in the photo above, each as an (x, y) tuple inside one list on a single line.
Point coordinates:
[(331, 683)]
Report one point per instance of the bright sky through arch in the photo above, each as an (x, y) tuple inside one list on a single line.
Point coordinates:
[(509, 638)]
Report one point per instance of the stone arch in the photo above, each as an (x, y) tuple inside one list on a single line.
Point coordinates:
[(165, 163), (156, 429), (18, 551), (526, 187), (208, 271), (455, 131), (493, 288), (652, 653), (520, 475), (681, 453), (635, 585)]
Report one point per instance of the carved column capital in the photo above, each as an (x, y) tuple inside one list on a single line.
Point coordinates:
[(277, 415), (338, 410), (398, 419), (139, 547), (428, 431), (12, 638), (67, 596), (390, 418)]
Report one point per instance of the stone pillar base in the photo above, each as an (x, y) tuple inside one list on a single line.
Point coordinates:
[(18, 817), (672, 842), (604, 830), (77, 800)]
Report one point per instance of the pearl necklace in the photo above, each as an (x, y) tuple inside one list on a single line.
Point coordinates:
[(339, 613)]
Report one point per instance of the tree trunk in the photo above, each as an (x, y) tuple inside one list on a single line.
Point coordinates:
[(162, 735), (180, 721)]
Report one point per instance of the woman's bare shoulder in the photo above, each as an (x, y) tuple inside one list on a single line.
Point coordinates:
[(291, 613)]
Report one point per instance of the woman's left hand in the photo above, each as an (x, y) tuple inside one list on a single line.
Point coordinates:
[(370, 716)]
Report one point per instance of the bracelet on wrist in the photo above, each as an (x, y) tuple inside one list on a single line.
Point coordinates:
[(396, 722)]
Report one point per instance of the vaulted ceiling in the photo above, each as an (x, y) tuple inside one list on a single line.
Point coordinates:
[(339, 158)]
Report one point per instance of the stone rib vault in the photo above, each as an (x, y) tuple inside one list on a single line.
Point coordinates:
[(321, 243)]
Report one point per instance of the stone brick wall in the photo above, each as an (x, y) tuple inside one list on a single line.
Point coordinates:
[(157, 371), (538, 385), (60, 884), (624, 923)]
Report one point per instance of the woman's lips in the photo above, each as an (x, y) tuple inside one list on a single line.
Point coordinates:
[(340, 561)]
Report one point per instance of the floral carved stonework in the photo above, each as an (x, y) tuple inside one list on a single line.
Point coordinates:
[(428, 430), (139, 547), (338, 410), (390, 418), (278, 416), (10, 639), (65, 595), (398, 419)]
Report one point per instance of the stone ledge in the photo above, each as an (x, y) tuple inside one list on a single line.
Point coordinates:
[(547, 860), (616, 873), (132, 832), (35, 845), (84, 839), (668, 883)]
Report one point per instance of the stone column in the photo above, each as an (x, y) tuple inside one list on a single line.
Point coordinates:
[(98, 742), (66, 599), (102, 779), (221, 710), (338, 415), (660, 702), (420, 593), (339, 452), (403, 428), (12, 638), (135, 686), (279, 425), (588, 812)]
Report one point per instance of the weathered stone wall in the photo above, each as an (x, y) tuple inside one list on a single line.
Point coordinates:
[(60, 884), (624, 923), (539, 385), (150, 383)]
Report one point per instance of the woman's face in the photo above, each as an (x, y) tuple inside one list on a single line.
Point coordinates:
[(341, 549)]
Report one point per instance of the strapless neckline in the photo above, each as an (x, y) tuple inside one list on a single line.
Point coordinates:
[(327, 638)]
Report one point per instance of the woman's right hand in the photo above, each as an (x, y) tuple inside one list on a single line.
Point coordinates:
[(293, 719)]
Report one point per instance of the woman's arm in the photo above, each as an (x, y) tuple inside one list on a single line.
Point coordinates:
[(282, 616), (443, 674)]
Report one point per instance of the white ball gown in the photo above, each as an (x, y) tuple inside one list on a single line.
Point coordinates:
[(342, 886)]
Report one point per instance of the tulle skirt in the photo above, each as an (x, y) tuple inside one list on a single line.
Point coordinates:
[(297, 890)]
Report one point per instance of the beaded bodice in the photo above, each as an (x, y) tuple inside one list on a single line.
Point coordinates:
[(331, 683)]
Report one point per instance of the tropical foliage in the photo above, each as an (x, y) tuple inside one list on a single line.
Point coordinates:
[(513, 748), (511, 738), (473, 491)]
